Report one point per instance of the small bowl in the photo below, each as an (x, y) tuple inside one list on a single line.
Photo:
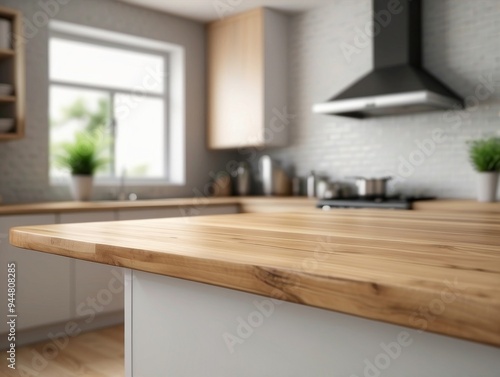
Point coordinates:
[(6, 89), (6, 125)]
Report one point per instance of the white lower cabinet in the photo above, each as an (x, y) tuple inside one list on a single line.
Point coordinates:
[(42, 280), (176, 327), (197, 209), (218, 210), (52, 290), (150, 213), (97, 288)]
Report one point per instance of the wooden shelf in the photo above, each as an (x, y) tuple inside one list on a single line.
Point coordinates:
[(15, 104), (6, 53), (10, 136), (7, 99), (9, 13)]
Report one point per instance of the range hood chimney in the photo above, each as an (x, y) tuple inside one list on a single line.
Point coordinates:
[(397, 84)]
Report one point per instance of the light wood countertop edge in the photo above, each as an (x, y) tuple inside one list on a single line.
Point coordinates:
[(246, 204), (196, 202), (386, 301)]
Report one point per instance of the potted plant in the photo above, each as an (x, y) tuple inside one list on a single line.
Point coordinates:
[(83, 158), (485, 157)]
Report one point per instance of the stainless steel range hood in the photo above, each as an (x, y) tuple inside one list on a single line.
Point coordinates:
[(398, 84)]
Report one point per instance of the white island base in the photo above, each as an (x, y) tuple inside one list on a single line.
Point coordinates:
[(180, 328)]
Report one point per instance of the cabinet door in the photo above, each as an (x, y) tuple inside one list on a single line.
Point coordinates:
[(152, 213), (42, 280), (184, 328), (219, 210), (97, 287), (158, 213), (236, 81)]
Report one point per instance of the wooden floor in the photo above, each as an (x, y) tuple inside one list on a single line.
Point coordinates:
[(96, 354)]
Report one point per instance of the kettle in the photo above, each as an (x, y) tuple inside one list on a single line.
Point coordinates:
[(274, 179)]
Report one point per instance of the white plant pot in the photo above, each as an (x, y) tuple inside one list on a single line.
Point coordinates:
[(81, 187), (487, 185)]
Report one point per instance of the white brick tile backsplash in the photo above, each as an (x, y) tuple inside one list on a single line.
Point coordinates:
[(461, 40)]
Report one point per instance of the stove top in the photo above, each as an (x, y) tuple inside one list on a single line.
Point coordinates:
[(391, 202)]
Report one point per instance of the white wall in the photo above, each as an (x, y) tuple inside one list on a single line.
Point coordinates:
[(461, 44), (24, 164)]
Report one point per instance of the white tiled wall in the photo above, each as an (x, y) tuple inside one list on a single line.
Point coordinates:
[(24, 164), (461, 44)]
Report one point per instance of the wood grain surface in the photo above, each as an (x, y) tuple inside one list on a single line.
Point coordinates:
[(97, 354), (235, 54), (457, 205), (437, 272), (261, 202), (252, 204)]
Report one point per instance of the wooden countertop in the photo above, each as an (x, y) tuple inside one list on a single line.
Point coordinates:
[(247, 204), (61, 207), (457, 205), (433, 271)]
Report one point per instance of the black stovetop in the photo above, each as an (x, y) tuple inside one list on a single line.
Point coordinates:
[(391, 202)]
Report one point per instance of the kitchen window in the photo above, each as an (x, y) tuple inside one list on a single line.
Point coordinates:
[(119, 91)]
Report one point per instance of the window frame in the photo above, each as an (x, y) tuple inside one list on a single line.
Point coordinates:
[(165, 96)]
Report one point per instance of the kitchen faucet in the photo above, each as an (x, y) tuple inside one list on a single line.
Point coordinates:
[(122, 195)]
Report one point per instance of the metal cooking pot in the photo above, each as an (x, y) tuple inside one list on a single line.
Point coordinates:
[(371, 187)]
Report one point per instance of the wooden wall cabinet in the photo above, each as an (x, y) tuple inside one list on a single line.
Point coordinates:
[(247, 69), (12, 71)]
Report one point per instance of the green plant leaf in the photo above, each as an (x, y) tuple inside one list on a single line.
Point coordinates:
[(84, 155), (485, 154)]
